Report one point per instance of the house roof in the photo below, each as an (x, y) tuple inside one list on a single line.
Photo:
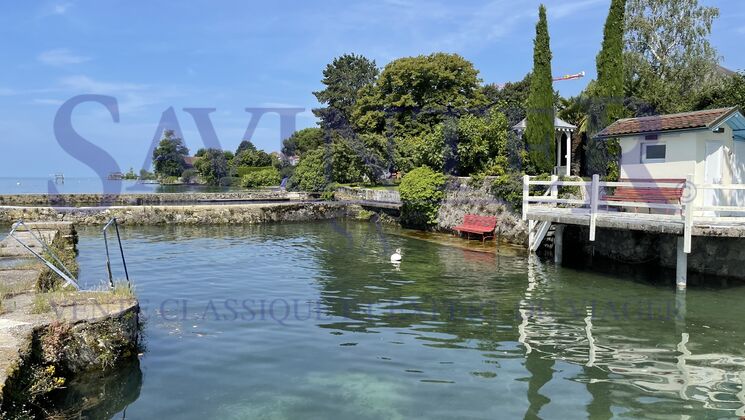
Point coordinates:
[(559, 124), (190, 160), (709, 118)]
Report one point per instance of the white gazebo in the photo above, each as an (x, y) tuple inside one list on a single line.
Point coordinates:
[(563, 139)]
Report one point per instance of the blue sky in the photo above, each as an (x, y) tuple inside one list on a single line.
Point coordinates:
[(231, 55)]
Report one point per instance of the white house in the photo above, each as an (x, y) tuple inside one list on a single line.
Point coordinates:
[(708, 144)]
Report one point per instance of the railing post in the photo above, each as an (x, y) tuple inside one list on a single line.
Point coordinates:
[(526, 194), (689, 195), (554, 188), (594, 197)]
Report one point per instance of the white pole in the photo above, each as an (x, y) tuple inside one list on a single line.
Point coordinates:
[(681, 268), (569, 153), (594, 204)]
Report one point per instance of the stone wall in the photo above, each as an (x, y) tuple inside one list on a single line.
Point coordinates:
[(367, 194), (173, 214), (78, 200), (724, 257), (462, 198)]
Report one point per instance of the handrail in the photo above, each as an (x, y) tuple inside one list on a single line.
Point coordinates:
[(66, 275), (121, 251)]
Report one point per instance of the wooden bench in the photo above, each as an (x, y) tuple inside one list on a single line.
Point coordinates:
[(644, 194), (480, 225)]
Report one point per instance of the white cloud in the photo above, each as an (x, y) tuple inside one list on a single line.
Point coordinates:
[(7, 92), (61, 8), (85, 84), (61, 57)]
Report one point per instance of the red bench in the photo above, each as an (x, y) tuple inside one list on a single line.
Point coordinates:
[(480, 225), (643, 194)]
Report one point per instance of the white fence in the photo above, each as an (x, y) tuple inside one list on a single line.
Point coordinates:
[(593, 202)]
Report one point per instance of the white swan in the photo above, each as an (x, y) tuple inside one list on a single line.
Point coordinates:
[(396, 257)]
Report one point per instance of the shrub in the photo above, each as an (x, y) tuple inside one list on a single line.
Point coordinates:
[(509, 187), (421, 193), (263, 177), (310, 173), (242, 171)]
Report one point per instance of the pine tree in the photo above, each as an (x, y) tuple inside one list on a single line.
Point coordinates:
[(540, 120), (610, 86)]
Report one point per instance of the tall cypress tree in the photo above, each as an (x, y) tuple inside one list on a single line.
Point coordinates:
[(610, 81), (540, 124), (610, 63)]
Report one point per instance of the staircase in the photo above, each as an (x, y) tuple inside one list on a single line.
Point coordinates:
[(541, 238)]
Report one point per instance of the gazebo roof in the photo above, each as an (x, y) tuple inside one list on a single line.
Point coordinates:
[(559, 124)]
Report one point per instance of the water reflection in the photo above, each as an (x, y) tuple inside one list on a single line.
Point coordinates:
[(448, 333)]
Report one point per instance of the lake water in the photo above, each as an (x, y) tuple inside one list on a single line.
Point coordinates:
[(92, 186), (312, 321)]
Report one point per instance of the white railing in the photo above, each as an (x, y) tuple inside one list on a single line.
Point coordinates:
[(685, 208)]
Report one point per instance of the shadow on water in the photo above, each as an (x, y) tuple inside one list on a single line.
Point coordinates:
[(98, 395)]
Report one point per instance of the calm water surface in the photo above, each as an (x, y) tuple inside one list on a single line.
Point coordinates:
[(312, 321)]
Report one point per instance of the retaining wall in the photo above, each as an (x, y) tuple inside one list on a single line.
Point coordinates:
[(78, 200)]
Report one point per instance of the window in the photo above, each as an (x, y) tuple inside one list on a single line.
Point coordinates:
[(653, 152)]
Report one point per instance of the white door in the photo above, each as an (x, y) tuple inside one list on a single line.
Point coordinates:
[(738, 174), (713, 173)]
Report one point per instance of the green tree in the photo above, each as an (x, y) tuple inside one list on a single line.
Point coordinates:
[(245, 145), (610, 84), (303, 141), (343, 78), (669, 60), (413, 94), (731, 92), (511, 98), (168, 157), (212, 166), (252, 157), (421, 193), (539, 132), (481, 140), (609, 63)]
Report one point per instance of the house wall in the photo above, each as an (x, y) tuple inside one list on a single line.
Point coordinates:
[(686, 154)]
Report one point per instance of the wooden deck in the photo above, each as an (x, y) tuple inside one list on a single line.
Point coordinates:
[(730, 227)]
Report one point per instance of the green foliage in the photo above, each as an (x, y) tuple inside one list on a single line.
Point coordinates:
[(212, 166), (508, 186), (540, 124), (245, 145), (189, 176), (421, 193), (609, 63), (481, 139), (669, 60), (610, 83), (512, 98), (731, 92), (303, 141), (346, 164), (168, 157), (343, 78), (252, 157), (413, 93), (242, 171), (260, 178), (312, 173), (131, 175)]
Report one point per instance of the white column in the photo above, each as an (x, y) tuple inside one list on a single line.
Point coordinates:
[(559, 244), (569, 152), (681, 268)]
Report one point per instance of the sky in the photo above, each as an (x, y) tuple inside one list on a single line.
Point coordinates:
[(232, 55)]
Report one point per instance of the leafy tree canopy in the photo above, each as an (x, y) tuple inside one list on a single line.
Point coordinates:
[(669, 59), (343, 78), (413, 93), (168, 157), (212, 166), (302, 141)]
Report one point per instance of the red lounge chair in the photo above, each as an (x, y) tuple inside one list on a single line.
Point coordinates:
[(480, 225)]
